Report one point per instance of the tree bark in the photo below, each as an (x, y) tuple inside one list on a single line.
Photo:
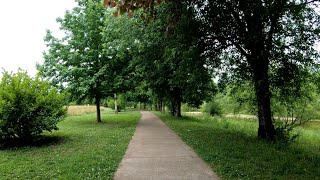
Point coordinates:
[(258, 59), (176, 102), (115, 104), (98, 99), (178, 106), (262, 89), (173, 109)]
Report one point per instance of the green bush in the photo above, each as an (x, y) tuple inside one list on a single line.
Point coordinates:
[(212, 108), (285, 133), (187, 108), (28, 106), (121, 103)]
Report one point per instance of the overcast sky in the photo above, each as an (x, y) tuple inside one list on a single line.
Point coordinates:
[(23, 25)]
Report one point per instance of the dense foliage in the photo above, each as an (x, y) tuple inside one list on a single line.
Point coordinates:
[(91, 59), (170, 60), (28, 106), (269, 43)]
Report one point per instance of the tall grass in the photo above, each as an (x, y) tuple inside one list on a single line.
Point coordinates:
[(231, 148), (80, 110)]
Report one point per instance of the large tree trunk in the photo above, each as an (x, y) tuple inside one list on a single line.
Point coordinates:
[(178, 106), (262, 89), (178, 109), (258, 57), (173, 109), (98, 109), (176, 102)]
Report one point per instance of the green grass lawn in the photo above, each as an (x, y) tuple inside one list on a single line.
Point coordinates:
[(81, 149), (231, 148)]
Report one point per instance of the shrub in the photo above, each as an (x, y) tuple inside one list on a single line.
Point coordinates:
[(121, 103), (187, 108), (285, 133), (28, 106), (212, 108)]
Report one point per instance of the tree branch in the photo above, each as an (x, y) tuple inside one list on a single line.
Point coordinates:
[(240, 48), (301, 4), (274, 19)]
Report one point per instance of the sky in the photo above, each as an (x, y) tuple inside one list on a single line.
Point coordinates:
[(23, 25)]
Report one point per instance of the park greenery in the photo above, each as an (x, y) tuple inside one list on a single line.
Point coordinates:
[(230, 147), (254, 58), (103, 54), (28, 106), (80, 149), (167, 52)]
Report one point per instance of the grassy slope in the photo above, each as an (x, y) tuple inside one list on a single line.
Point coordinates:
[(231, 148), (81, 149)]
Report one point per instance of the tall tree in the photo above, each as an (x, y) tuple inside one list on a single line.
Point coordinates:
[(77, 60), (258, 40)]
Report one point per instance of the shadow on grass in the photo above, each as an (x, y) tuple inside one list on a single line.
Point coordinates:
[(245, 153), (184, 118), (41, 141), (108, 123), (237, 153)]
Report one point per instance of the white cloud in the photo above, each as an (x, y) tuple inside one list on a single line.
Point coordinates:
[(23, 26)]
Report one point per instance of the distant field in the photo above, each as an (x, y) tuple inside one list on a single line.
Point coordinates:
[(80, 110), (81, 149), (312, 125)]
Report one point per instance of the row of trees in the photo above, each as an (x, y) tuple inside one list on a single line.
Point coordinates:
[(169, 48), (102, 54)]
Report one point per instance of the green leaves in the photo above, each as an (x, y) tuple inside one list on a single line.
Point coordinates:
[(28, 106), (170, 63), (92, 60)]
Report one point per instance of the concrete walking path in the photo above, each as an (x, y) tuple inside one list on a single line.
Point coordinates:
[(156, 152)]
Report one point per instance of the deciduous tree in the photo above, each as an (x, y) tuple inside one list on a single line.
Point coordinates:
[(258, 41), (77, 60)]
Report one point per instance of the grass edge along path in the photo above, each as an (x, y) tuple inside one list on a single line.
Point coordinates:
[(232, 149), (81, 149)]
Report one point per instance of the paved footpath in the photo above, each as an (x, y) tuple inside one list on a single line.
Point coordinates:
[(156, 152)]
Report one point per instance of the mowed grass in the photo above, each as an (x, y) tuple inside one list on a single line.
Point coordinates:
[(81, 149), (231, 148)]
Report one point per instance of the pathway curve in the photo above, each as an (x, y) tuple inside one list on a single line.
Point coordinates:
[(156, 152)]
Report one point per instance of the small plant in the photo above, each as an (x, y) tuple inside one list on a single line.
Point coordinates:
[(212, 108), (285, 133), (28, 106)]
